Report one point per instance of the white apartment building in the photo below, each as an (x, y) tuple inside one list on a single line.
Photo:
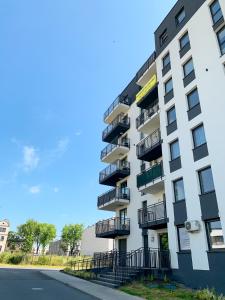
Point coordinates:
[(4, 231), (166, 148)]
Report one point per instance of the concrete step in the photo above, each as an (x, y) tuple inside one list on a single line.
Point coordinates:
[(111, 285), (122, 274), (113, 276), (110, 280)]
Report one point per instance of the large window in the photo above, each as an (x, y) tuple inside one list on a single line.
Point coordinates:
[(174, 150), (206, 180), (193, 98), (183, 238), (198, 136), (171, 115), (184, 40), (221, 39), (180, 17), (188, 67), (166, 60), (216, 11), (169, 86), (215, 235), (178, 186)]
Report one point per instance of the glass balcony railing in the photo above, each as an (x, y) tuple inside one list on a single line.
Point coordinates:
[(150, 175)]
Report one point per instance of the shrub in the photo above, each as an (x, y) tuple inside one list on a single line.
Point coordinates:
[(42, 260), (4, 257), (208, 294), (15, 259)]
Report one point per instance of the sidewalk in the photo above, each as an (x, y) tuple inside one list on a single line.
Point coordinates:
[(98, 291)]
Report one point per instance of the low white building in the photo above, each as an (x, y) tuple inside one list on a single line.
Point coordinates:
[(90, 244), (4, 231)]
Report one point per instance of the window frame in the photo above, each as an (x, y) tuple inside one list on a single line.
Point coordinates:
[(163, 37), (202, 192), (214, 14), (185, 64), (165, 84), (208, 235), (179, 14), (179, 244), (180, 40), (167, 114), (221, 45), (163, 60), (193, 136), (189, 94), (174, 183), (172, 143)]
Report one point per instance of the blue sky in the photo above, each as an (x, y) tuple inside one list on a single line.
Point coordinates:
[(62, 63)]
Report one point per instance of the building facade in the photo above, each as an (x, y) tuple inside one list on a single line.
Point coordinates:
[(4, 231), (90, 244), (57, 248), (165, 153)]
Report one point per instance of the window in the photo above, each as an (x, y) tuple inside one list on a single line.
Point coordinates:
[(188, 67), (166, 60), (183, 238), (215, 235), (184, 40), (168, 86), (216, 11), (171, 115), (163, 37), (206, 180), (180, 17), (221, 39), (2, 238), (2, 229), (193, 98), (174, 150), (198, 136), (178, 187)]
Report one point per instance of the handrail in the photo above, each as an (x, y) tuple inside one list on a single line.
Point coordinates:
[(148, 143), (152, 213), (116, 193), (112, 224), (146, 66), (117, 166), (147, 114), (109, 148), (121, 118), (116, 102), (150, 175)]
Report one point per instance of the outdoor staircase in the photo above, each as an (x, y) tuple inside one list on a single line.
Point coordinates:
[(115, 278)]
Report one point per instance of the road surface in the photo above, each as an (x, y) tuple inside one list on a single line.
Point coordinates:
[(33, 285)]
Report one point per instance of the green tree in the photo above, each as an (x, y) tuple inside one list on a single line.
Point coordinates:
[(26, 232), (14, 241), (47, 234), (71, 235)]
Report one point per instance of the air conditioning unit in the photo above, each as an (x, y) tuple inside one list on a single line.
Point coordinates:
[(192, 226)]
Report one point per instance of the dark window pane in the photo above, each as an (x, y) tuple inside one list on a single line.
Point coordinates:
[(216, 11), (184, 40), (171, 115), (180, 17), (199, 136), (184, 240), (206, 180), (168, 86), (166, 60), (163, 37), (221, 39), (193, 98), (179, 190), (188, 67), (174, 150), (215, 235)]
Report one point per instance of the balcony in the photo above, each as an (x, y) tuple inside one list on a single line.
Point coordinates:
[(113, 199), (148, 94), (153, 217), (113, 152), (147, 70), (150, 148), (148, 119), (120, 105), (118, 127), (152, 180), (112, 228), (114, 173)]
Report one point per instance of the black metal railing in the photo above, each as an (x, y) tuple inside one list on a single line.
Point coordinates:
[(148, 143), (147, 114), (123, 263), (146, 66), (152, 213), (150, 175), (109, 148), (111, 169), (116, 102), (121, 119), (112, 225), (114, 194)]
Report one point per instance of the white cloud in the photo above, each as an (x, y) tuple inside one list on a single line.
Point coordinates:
[(62, 146), (78, 132), (30, 158), (35, 189), (56, 189)]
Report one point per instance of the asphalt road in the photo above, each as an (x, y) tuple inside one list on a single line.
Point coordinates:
[(33, 285)]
